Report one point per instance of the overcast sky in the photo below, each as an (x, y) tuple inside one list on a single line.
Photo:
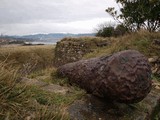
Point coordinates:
[(22, 17)]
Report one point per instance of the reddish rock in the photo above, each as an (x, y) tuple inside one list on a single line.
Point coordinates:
[(124, 76)]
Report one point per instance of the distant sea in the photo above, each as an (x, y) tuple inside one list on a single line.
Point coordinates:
[(43, 42), (51, 38)]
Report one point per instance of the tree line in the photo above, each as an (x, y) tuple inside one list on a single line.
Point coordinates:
[(133, 16)]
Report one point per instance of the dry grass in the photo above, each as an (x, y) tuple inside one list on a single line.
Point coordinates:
[(28, 58), (141, 41), (18, 102)]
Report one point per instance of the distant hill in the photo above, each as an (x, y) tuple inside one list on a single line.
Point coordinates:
[(4, 40), (52, 37)]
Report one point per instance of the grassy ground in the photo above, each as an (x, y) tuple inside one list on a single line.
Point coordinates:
[(141, 41), (28, 58), (18, 101)]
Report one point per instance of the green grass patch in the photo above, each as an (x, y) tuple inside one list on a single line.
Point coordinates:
[(49, 98)]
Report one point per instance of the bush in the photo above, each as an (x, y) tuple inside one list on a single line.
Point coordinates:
[(105, 32), (111, 31), (120, 30)]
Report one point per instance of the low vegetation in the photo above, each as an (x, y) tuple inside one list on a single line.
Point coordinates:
[(142, 41), (18, 101), (28, 58), (108, 30)]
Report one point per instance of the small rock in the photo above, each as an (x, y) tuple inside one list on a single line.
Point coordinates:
[(153, 59)]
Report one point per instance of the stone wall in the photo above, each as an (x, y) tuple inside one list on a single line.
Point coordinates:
[(73, 49)]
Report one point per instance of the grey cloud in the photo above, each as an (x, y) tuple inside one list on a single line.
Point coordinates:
[(14, 13)]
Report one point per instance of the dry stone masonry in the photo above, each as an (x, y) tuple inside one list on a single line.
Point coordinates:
[(73, 49)]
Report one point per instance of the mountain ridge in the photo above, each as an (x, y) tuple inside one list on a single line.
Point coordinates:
[(53, 35), (46, 38)]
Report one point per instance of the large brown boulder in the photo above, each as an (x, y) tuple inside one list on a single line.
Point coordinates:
[(124, 76)]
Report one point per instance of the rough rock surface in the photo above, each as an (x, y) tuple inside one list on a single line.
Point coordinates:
[(124, 76), (93, 108)]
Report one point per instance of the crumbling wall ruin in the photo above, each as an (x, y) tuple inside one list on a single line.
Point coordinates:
[(73, 49)]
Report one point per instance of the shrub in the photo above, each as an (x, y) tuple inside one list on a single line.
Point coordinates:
[(105, 32), (120, 30), (111, 31)]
